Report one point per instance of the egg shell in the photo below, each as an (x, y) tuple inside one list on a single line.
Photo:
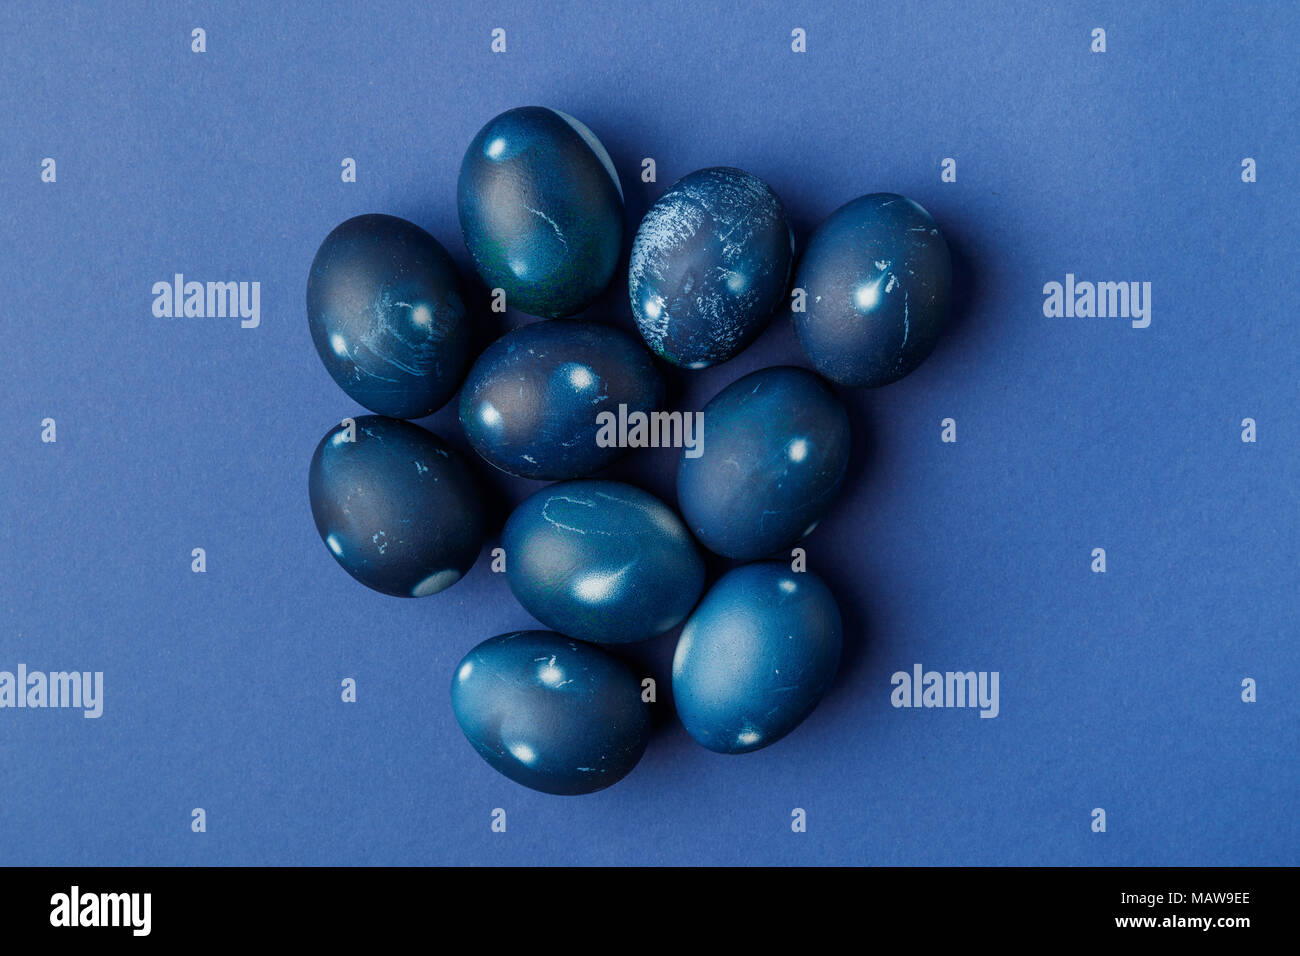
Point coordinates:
[(541, 209), (551, 713), (877, 277), (531, 401), (396, 507), (388, 317), (755, 657), (776, 446), (709, 263), (602, 561)]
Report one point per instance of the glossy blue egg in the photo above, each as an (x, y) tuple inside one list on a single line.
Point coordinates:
[(387, 314), (877, 277), (532, 402), (395, 506), (710, 262), (756, 657), (775, 451), (551, 713), (541, 208), (602, 561)]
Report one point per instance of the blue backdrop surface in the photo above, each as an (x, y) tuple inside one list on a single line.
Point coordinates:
[(1119, 690)]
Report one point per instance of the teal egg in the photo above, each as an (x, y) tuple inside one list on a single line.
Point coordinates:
[(756, 657), (541, 209), (602, 561), (551, 713)]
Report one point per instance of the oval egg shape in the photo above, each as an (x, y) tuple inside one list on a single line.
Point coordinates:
[(756, 657), (535, 402), (541, 209), (710, 262), (877, 277), (776, 446), (602, 561), (551, 713), (388, 317), (395, 506)]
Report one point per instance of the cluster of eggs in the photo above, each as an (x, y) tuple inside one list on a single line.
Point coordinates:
[(602, 562)]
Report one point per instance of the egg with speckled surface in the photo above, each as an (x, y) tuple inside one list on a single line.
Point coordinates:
[(877, 278), (756, 657), (602, 561), (388, 317), (396, 507), (710, 262), (551, 713), (541, 208), (533, 402), (775, 452)]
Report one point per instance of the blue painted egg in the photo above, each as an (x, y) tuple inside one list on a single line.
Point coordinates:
[(710, 262), (541, 208), (775, 450), (602, 561), (395, 506), (387, 315), (533, 401), (551, 713), (877, 278), (756, 657)]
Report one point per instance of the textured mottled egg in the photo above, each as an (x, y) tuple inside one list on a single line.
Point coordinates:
[(387, 315), (395, 506), (532, 402), (877, 278), (602, 561), (541, 208), (756, 657), (551, 713), (710, 262), (776, 444)]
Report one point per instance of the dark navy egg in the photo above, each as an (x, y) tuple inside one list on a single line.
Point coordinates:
[(877, 278), (541, 208), (388, 317), (551, 713), (395, 506), (710, 262), (602, 561), (775, 450), (533, 401), (756, 656)]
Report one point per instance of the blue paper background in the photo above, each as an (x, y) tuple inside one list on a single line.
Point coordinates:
[(1119, 691)]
